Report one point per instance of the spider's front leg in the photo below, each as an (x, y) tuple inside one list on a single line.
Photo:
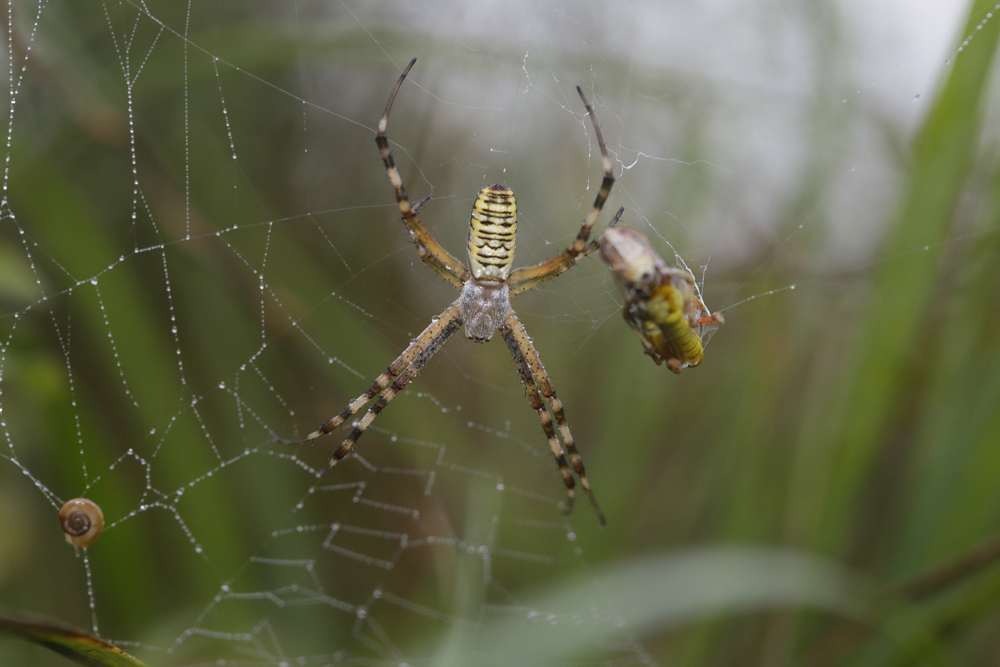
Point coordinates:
[(535, 398), (434, 343), (536, 380), (386, 386)]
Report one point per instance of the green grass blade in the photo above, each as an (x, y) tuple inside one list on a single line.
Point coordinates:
[(67, 641), (893, 333), (669, 591)]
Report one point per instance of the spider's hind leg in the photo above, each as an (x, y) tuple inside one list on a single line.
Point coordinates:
[(530, 277), (431, 252)]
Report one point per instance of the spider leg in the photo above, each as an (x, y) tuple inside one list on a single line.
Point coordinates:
[(596, 243), (535, 398), (516, 335), (423, 200), (431, 252), (444, 325), (533, 276), (429, 342)]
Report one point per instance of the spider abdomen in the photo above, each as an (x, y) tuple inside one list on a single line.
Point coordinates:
[(491, 233)]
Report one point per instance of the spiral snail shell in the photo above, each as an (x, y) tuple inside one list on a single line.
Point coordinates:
[(82, 521)]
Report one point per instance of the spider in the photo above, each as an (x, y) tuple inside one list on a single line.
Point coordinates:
[(483, 306), (661, 302)]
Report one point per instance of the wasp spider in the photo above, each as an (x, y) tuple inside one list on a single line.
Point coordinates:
[(661, 302), (483, 306)]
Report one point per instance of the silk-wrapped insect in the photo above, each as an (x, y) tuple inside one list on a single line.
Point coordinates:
[(662, 303)]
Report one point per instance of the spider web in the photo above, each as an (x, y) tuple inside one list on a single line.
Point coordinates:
[(200, 249)]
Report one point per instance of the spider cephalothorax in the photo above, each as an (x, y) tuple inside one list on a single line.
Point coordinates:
[(483, 306)]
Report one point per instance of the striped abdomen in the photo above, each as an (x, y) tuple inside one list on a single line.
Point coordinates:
[(491, 233)]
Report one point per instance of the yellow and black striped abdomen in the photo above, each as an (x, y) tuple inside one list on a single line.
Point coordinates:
[(491, 233)]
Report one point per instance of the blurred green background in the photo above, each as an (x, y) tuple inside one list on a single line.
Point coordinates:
[(199, 247)]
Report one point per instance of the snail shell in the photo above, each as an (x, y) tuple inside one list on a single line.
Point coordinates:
[(82, 521)]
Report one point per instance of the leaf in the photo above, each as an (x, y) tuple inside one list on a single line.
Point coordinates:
[(66, 640), (653, 594)]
